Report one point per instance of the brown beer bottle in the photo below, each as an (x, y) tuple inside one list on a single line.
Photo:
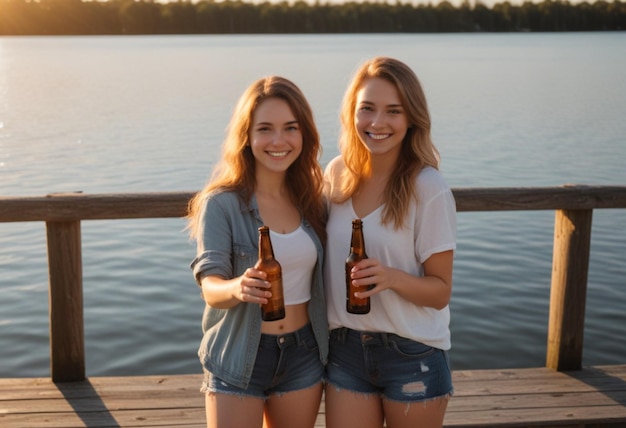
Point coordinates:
[(355, 305), (274, 309)]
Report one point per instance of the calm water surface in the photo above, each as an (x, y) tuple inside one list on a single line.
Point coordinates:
[(143, 114)]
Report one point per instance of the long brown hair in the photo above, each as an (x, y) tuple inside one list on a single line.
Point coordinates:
[(417, 149), (236, 168)]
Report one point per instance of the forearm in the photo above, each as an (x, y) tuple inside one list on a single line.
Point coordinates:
[(433, 289), (429, 291), (218, 292)]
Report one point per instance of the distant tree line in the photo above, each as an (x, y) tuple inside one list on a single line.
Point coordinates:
[(113, 17)]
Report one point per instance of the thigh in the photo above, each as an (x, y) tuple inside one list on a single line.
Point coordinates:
[(348, 409), (428, 414), (233, 411), (293, 409)]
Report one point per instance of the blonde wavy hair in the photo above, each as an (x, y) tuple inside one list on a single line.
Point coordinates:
[(417, 149), (236, 169)]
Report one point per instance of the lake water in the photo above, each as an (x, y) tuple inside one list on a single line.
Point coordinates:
[(145, 114)]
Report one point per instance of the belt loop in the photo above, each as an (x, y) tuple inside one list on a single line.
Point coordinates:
[(340, 334), (298, 337), (385, 338), (344, 334), (301, 334)]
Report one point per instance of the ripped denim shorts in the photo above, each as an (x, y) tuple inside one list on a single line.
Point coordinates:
[(394, 367)]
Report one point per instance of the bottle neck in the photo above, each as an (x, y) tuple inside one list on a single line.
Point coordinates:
[(357, 244), (266, 252)]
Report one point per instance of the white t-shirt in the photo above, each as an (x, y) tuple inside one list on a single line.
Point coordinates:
[(297, 256), (430, 228)]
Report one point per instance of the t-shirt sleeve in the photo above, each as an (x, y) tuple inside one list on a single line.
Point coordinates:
[(436, 218)]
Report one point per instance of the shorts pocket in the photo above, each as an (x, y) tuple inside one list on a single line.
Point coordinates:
[(411, 349), (309, 344)]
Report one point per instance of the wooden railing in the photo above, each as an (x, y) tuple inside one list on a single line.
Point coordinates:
[(63, 213)]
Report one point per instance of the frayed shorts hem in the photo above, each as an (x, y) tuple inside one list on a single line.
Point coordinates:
[(382, 396), (205, 389)]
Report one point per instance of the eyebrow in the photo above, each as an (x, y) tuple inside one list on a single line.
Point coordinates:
[(387, 106), (291, 122)]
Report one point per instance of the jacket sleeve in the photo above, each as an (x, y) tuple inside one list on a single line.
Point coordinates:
[(214, 243)]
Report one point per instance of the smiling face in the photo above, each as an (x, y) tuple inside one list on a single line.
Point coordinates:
[(275, 136), (380, 119)]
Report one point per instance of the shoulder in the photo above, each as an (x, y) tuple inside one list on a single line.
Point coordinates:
[(227, 200), (334, 167), (332, 174), (222, 196), (430, 178), (431, 183)]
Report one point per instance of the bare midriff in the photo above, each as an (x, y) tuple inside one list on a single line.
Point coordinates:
[(296, 317)]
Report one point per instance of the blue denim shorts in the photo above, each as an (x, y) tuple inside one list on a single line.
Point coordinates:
[(393, 367), (284, 363)]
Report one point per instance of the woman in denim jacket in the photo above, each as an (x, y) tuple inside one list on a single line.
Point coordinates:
[(269, 174)]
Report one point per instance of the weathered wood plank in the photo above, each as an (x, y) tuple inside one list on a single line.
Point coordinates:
[(543, 401), (618, 371), (79, 206), (45, 388), (535, 417), (568, 197), (110, 419)]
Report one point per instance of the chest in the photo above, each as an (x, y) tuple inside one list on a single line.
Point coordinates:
[(368, 198), (279, 215)]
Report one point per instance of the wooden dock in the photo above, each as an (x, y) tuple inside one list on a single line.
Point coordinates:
[(564, 394), (538, 397)]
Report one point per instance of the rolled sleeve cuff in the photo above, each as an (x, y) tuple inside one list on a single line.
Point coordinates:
[(210, 263)]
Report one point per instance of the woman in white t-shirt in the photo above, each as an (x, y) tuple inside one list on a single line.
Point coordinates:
[(390, 365)]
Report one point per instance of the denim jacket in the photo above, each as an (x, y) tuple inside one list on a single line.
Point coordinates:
[(227, 246)]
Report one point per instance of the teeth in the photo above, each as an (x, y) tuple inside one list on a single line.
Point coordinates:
[(378, 136), (277, 154)]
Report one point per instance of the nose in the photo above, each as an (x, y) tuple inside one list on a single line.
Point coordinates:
[(377, 119), (278, 137)]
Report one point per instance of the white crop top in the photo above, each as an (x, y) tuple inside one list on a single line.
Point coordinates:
[(295, 251)]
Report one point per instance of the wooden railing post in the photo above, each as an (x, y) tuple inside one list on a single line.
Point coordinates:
[(568, 294), (67, 341)]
